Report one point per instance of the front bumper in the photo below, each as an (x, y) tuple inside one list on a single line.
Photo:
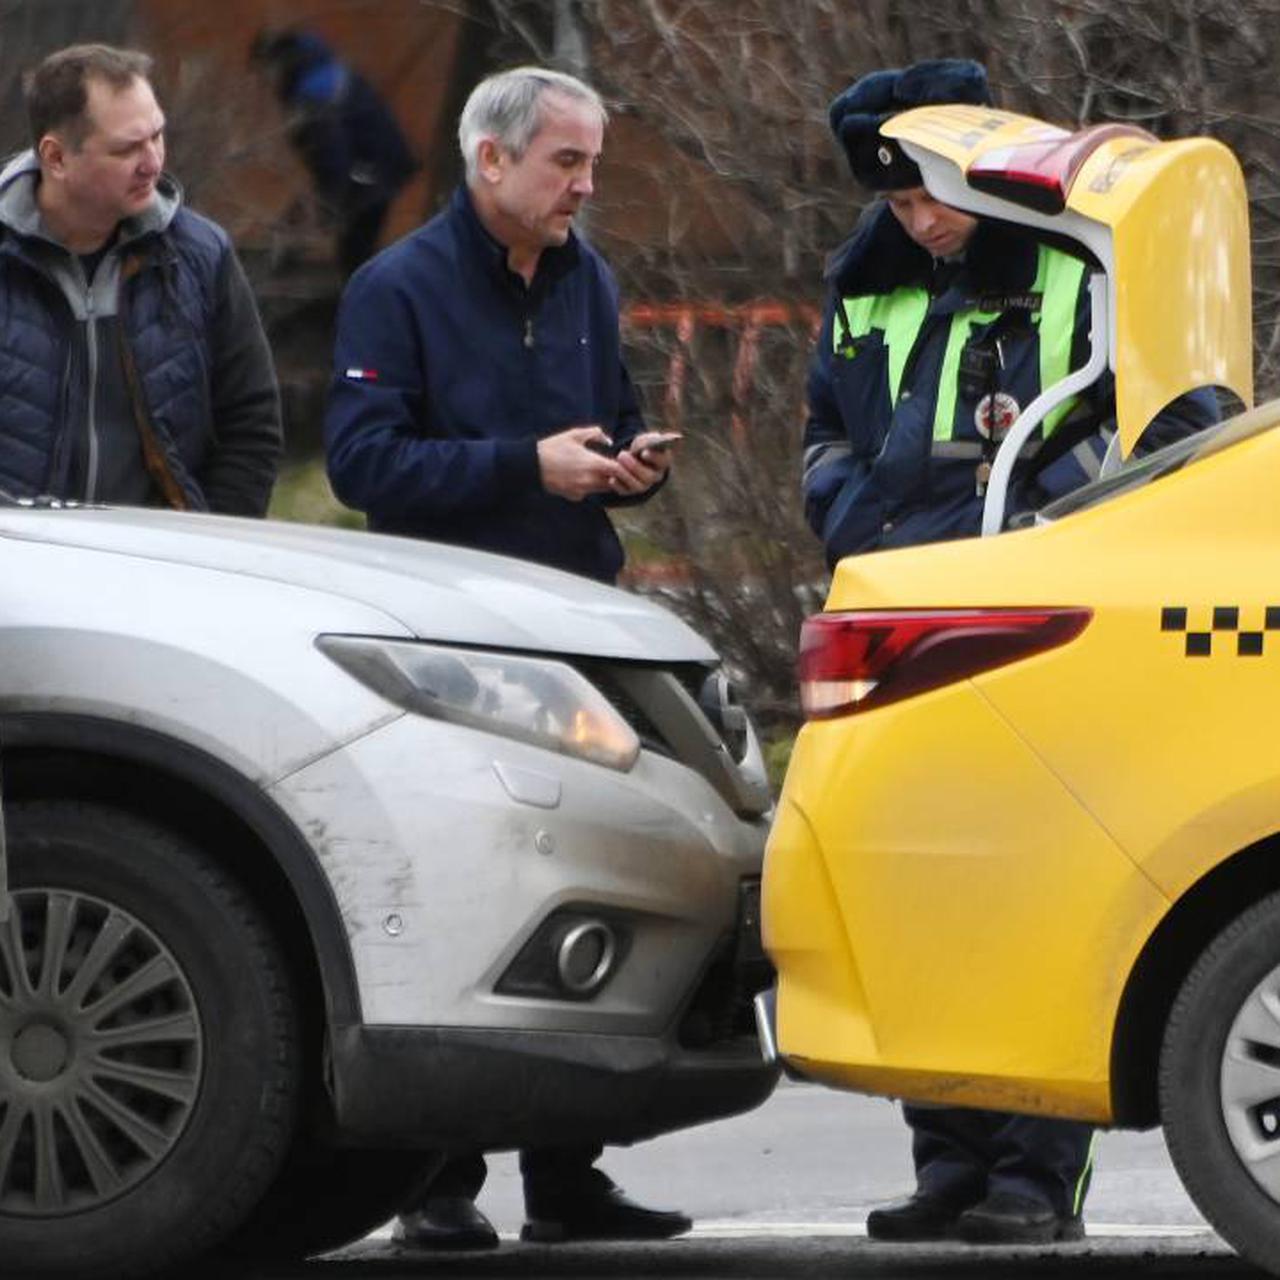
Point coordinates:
[(462, 1088), (442, 875)]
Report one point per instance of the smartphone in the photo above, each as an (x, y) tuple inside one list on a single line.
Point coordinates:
[(663, 444), (611, 449)]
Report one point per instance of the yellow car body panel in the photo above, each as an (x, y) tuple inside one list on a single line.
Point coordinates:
[(959, 883), (1182, 317), (947, 997), (1197, 778), (1169, 223)]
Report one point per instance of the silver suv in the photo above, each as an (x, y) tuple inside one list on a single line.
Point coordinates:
[(329, 851)]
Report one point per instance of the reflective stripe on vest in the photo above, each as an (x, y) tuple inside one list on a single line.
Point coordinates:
[(900, 315), (1060, 288)]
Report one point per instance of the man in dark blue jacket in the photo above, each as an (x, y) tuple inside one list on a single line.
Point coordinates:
[(480, 398), (939, 328), (478, 364)]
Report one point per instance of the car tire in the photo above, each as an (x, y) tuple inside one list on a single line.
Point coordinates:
[(324, 1199), (149, 1047), (1220, 1083)]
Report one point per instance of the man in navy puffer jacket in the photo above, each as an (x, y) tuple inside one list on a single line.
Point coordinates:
[(478, 377), (133, 366)]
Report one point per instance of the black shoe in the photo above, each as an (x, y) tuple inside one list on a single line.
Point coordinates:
[(445, 1222), (1007, 1218), (598, 1211), (918, 1218)]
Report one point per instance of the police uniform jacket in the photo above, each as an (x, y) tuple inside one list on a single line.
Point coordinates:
[(917, 360)]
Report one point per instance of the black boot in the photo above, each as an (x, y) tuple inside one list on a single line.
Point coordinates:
[(595, 1209), (445, 1222), (918, 1218), (1007, 1218)]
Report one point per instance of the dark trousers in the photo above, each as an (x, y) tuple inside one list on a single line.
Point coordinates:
[(966, 1155), (548, 1172)]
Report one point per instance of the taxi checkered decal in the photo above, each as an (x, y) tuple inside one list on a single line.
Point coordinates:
[(1224, 619)]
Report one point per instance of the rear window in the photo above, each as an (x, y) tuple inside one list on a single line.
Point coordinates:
[(1137, 472)]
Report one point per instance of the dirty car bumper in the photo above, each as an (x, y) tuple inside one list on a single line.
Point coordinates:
[(467, 1088)]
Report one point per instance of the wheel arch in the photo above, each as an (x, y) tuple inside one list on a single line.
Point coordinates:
[(1191, 924), (129, 766)]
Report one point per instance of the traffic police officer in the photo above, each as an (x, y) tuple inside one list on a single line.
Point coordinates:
[(939, 328)]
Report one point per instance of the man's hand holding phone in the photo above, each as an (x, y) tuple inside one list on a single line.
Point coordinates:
[(644, 461), (578, 462), (583, 460)]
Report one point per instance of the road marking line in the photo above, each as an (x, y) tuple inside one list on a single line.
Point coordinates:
[(733, 1229), (1105, 1230)]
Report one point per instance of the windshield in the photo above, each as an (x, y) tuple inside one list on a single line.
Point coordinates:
[(1136, 472)]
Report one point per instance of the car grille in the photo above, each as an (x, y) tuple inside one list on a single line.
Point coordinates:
[(651, 737), (687, 712), (721, 1008)]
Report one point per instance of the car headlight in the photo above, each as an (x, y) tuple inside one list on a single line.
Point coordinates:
[(537, 700)]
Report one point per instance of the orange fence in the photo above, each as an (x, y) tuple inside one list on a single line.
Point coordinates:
[(748, 320)]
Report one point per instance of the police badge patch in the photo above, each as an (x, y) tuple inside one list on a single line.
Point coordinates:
[(995, 414)]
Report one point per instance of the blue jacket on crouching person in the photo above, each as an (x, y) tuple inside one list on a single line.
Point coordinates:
[(914, 358), (346, 134), (449, 370)]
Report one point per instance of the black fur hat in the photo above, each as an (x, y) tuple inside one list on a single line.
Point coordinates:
[(857, 114)]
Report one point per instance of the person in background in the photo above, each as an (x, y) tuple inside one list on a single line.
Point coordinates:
[(479, 397), (939, 328), (133, 364), (344, 133)]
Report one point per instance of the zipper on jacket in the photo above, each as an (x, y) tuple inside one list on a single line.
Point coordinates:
[(61, 442)]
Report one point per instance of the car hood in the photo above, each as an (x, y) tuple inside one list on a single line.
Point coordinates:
[(437, 592)]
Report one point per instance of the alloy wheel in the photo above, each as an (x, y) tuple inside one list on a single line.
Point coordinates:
[(1250, 1084), (101, 1053)]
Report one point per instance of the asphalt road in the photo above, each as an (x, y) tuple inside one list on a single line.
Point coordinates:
[(785, 1191)]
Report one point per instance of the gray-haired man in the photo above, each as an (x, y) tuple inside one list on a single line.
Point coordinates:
[(478, 366), (478, 376)]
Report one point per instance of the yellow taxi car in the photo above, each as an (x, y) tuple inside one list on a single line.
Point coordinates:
[(1027, 855)]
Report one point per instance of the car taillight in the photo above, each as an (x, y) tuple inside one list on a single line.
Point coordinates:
[(856, 661), (1038, 175)]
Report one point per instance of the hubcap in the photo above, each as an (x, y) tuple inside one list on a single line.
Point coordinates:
[(101, 1053), (40, 1053)]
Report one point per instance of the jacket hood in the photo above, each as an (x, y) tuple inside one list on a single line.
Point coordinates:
[(451, 595), (20, 213), (879, 257)]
